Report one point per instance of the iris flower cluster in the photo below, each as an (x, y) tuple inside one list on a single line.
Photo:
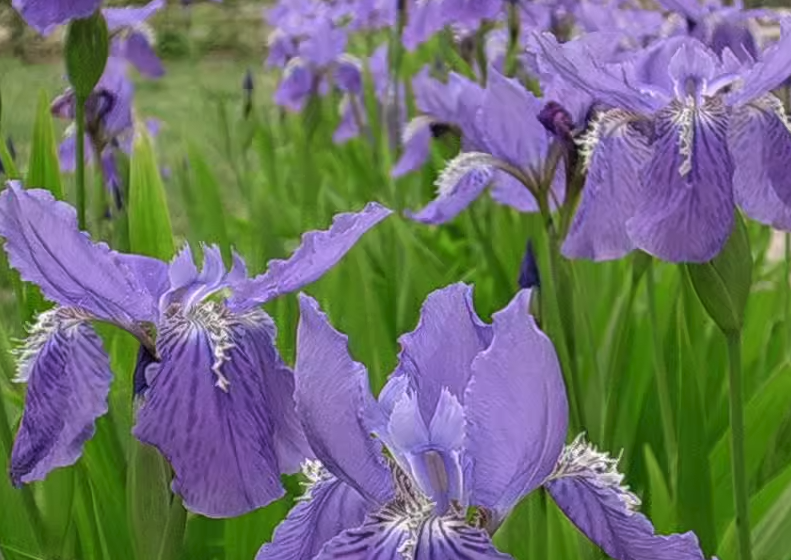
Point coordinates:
[(669, 131)]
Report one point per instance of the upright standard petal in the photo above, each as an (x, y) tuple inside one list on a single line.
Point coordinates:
[(513, 452), (328, 508), (616, 152), (68, 375), (588, 488), (45, 15), (318, 252), (687, 212), (118, 18), (44, 244), (434, 361), (767, 74), (333, 398), (209, 413)]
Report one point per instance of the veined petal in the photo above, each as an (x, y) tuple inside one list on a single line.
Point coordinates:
[(686, 214), (208, 410), (68, 375), (460, 183), (333, 398), (513, 453), (318, 252), (45, 15), (750, 139), (443, 538), (588, 488), (616, 153), (45, 246), (439, 353), (328, 508)]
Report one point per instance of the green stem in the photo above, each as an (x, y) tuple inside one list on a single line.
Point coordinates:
[(80, 175), (660, 371), (737, 445), (173, 538), (787, 285)]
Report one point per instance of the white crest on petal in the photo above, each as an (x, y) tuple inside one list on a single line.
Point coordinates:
[(413, 126), (769, 101), (605, 123), (315, 472), (582, 459), (61, 320), (217, 322), (684, 119), (459, 167), (292, 65)]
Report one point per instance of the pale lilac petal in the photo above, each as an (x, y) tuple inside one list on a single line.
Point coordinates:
[(139, 52), (773, 69), (613, 187), (507, 190), (587, 487), (209, 412), (118, 18), (434, 361), (187, 285), (45, 15), (330, 508), (417, 147), (318, 252), (522, 142), (687, 214), (68, 375), (332, 397), (45, 246), (753, 186), (514, 453), (692, 63), (460, 189)]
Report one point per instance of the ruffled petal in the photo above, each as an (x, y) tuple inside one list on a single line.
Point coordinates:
[(45, 246), (767, 74), (318, 252), (513, 453), (439, 353), (68, 375), (687, 213), (332, 398), (587, 487), (327, 509), (754, 189), (459, 185), (209, 412), (618, 153), (45, 15)]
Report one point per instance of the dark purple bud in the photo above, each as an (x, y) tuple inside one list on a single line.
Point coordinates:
[(557, 121), (247, 83), (528, 271)]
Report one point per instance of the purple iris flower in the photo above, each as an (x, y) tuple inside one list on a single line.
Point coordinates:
[(214, 395), (505, 144), (441, 106), (46, 15), (428, 17), (474, 416), (686, 137), (132, 39)]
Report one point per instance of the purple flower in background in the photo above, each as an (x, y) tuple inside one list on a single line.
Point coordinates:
[(46, 15), (686, 137), (132, 39), (474, 416), (506, 145), (214, 395), (427, 18)]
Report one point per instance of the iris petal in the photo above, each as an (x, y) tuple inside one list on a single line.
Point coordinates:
[(46, 247), (208, 411), (513, 453), (587, 487), (68, 375), (329, 508), (687, 211), (45, 15)]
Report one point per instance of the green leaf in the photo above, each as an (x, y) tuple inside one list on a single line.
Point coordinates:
[(44, 168), (148, 489), (150, 232), (87, 49), (723, 284), (660, 506), (205, 209)]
